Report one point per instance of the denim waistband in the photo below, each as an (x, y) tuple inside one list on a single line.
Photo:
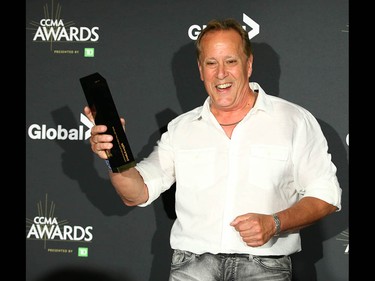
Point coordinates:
[(237, 255)]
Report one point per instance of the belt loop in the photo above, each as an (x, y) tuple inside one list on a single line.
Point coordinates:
[(251, 257)]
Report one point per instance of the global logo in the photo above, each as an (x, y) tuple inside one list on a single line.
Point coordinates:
[(42, 132), (195, 29)]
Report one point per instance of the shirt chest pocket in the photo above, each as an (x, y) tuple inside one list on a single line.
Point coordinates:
[(268, 166)]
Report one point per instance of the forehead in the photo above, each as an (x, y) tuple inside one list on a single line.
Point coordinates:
[(218, 41)]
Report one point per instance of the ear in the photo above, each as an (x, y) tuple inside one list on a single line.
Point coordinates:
[(200, 70), (250, 65)]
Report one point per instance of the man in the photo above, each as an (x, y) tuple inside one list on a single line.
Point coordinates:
[(250, 169)]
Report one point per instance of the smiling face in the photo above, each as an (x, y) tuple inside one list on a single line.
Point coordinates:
[(225, 69)]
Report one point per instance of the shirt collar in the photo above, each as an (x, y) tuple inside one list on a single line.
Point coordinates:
[(263, 103)]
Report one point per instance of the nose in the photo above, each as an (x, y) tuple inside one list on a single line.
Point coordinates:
[(221, 71)]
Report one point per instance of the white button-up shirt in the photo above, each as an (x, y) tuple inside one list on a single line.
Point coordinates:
[(276, 155)]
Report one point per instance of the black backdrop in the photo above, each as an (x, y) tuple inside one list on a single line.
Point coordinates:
[(76, 226)]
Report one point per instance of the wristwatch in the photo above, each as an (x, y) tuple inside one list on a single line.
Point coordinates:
[(277, 224)]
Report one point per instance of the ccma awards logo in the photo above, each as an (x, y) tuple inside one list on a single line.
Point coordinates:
[(52, 29), (46, 227)]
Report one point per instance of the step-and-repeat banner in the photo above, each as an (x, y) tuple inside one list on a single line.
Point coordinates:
[(77, 228)]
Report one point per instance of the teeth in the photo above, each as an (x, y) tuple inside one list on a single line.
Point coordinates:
[(223, 86)]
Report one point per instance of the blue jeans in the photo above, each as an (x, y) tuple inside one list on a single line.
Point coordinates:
[(187, 266)]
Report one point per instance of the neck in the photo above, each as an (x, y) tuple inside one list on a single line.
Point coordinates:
[(237, 115)]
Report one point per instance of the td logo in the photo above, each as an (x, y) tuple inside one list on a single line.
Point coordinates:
[(89, 52), (83, 252)]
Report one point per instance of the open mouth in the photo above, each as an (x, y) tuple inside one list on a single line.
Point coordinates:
[(223, 86)]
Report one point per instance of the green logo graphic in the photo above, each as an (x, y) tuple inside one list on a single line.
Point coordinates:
[(83, 252), (89, 52)]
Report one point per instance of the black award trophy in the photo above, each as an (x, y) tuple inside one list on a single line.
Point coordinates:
[(103, 108)]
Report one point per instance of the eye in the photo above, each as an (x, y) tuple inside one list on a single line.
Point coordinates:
[(231, 61), (210, 63)]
